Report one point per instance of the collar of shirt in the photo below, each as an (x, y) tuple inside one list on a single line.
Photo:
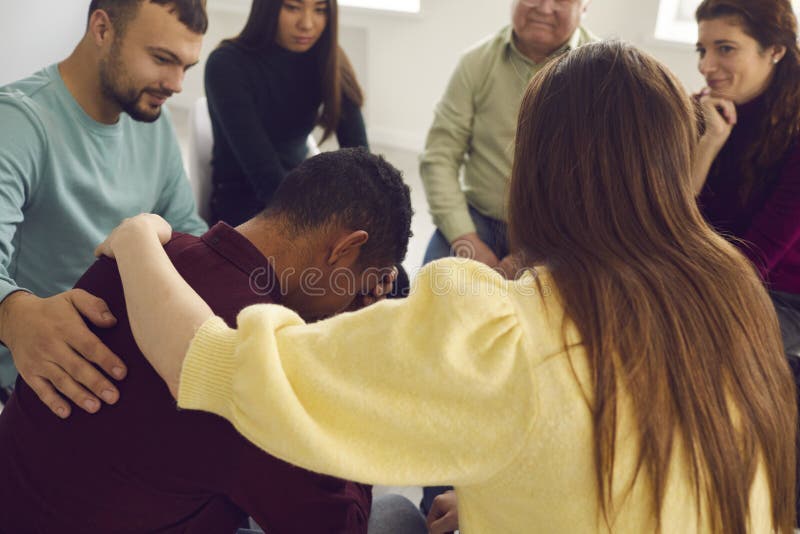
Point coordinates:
[(239, 251), (511, 47)]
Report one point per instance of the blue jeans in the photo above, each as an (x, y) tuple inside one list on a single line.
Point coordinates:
[(491, 231)]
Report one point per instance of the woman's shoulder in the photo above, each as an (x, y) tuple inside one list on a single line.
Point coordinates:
[(227, 58), (472, 286), (227, 51)]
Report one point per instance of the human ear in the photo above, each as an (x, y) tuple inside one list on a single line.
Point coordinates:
[(346, 249), (100, 28), (777, 53)]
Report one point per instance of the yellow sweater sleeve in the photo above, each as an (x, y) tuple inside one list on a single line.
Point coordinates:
[(436, 388)]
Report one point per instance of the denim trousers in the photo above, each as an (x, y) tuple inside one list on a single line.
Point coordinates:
[(491, 231)]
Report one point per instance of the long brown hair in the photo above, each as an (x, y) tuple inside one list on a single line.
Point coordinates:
[(338, 77), (770, 23), (672, 317)]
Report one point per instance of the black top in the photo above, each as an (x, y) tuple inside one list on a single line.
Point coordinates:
[(263, 106), (766, 226)]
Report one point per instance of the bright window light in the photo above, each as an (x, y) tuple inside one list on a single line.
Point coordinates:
[(676, 21), (406, 6)]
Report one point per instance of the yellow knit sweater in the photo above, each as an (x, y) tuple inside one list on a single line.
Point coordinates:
[(465, 382)]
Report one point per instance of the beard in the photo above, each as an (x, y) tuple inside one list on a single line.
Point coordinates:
[(118, 87)]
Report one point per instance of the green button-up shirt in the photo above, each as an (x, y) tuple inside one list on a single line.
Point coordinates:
[(474, 126)]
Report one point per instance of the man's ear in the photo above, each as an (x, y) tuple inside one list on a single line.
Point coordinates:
[(100, 28), (347, 248)]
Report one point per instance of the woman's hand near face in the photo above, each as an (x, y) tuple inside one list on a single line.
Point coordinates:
[(720, 118)]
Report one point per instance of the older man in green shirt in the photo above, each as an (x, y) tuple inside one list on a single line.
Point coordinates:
[(475, 123), (474, 127)]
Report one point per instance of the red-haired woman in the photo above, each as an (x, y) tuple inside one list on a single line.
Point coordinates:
[(747, 173)]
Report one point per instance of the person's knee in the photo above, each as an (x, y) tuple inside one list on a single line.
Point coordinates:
[(395, 514)]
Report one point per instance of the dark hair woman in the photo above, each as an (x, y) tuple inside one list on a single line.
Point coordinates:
[(267, 89), (635, 383), (747, 173)]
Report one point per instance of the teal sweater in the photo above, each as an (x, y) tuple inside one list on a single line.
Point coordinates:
[(67, 180)]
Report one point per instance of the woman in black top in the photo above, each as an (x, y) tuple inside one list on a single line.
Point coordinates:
[(267, 89)]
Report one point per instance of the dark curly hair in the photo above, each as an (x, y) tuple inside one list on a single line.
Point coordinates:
[(354, 189), (192, 13), (770, 23)]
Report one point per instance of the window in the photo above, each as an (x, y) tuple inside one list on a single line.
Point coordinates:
[(676, 21), (406, 6)]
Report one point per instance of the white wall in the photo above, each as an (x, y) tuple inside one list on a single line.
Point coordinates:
[(635, 21), (36, 33), (403, 61)]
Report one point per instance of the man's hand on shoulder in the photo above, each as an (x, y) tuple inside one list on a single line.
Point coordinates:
[(52, 348)]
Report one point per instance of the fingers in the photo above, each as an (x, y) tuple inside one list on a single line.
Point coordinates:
[(163, 229), (144, 222), (87, 344), (722, 106), (446, 523), (49, 397), (63, 382), (82, 372), (104, 249), (91, 307), (443, 515), (51, 379), (441, 526)]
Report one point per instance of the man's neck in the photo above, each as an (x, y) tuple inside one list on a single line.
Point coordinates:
[(283, 254), (532, 52), (80, 72)]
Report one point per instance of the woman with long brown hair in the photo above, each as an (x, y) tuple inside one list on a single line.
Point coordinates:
[(267, 89), (632, 379), (747, 173)]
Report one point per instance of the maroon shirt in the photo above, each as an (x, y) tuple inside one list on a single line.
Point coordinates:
[(769, 222), (142, 465)]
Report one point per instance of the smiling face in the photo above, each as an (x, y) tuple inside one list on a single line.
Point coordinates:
[(145, 65), (301, 24), (735, 65), (546, 25)]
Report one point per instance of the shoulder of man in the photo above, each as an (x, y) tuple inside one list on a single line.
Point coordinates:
[(29, 86), (486, 51), (585, 36), (22, 101)]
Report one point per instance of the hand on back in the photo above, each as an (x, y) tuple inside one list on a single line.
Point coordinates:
[(53, 349)]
